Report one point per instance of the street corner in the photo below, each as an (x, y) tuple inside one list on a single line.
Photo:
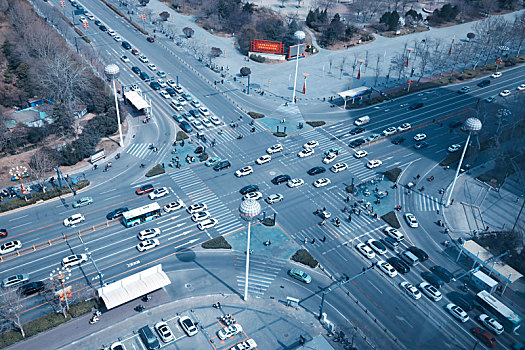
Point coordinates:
[(376, 195), (183, 154), (283, 125)]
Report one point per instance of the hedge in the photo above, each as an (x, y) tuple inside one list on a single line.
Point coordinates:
[(279, 134), (203, 157), (316, 123), (216, 243), (181, 135), (304, 257), (256, 115), (156, 170), (393, 174), (391, 219)]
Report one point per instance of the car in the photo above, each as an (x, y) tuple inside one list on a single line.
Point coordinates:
[(253, 195), (365, 250), (207, 223), (197, 207), (155, 86), (404, 127), (152, 67), (195, 103), (311, 144), (484, 83), (117, 38), (443, 273), (184, 125), (274, 198), (116, 213), (274, 149), (398, 140), (464, 90), (399, 265), (164, 332), (325, 214), (90, 16), (324, 181), (229, 331), (176, 104), (111, 32), (387, 268), (521, 87), (3, 232), (249, 344), (418, 252), (420, 145), (144, 189), (416, 106), (295, 182), (194, 113), (491, 324), (394, 233), (360, 154), (103, 28), (98, 23), (215, 120), (505, 93), (135, 52), (134, 87), (223, 164), (377, 246), (149, 233), (462, 300), (161, 82), (212, 161), (172, 206), (374, 163), (373, 137), (330, 157), (433, 279), (305, 152), (411, 220), (316, 170), (411, 290), (430, 291), (339, 167), (144, 76), (148, 244), (82, 202), (485, 337), (300, 275), (455, 123), (188, 326), (390, 131), (74, 219), (279, 179), (420, 137), (248, 189), (172, 84), (457, 312), (75, 259), (179, 119), (124, 58), (15, 280), (334, 150), (206, 122), (356, 143), (490, 99), (136, 70), (164, 94), (9, 247), (150, 39), (204, 111), (197, 125), (357, 130), (496, 75), (32, 288), (200, 215), (454, 148), (159, 192), (186, 96)]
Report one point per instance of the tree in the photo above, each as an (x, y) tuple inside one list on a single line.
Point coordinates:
[(188, 32), (377, 70), (40, 164), (12, 308), (245, 71), (390, 20), (471, 36), (143, 2), (413, 16), (215, 52), (164, 16)]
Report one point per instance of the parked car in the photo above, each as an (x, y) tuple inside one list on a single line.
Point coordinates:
[(164, 332), (230, 331), (188, 326)]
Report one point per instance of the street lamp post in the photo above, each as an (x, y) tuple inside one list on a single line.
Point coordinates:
[(112, 72), (299, 35), (61, 275), (249, 210), (473, 125)]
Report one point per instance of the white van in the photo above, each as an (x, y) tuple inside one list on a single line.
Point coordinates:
[(409, 258), (362, 120)]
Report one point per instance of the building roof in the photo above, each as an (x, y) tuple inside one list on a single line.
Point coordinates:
[(353, 93), (136, 100)]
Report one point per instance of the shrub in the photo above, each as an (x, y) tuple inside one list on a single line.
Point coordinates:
[(181, 135), (203, 157), (279, 134), (256, 115), (83, 307), (392, 174), (188, 32), (216, 243), (391, 219), (258, 58), (156, 170), (245, 71), (316, 123), (269, 222), (304, 257)]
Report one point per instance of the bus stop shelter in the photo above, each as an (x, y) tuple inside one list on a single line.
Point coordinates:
[(133, 287), (137, 100), (353, 93)]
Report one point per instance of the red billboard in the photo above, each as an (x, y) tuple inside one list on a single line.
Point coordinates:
[(267, 46)]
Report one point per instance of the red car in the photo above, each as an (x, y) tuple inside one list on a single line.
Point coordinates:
[(3, 232), (485, 337), (144, 189), (135, 52), (150, 39)]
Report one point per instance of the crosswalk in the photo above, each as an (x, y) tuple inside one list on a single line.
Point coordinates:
[(417, 201), (263, 271), (141, 150), (225, 133), (197, 191)]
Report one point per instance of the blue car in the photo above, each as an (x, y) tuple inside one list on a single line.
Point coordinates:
[(178, 118), (184, 125), (300, 275)]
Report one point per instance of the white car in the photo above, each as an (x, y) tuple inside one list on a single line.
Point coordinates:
[(143, 59), (178, 89), (208, 223), (152, 67), (74, 219), (164, 94), (430, 291), (148, 244), (457, 312), (387, 268), (74, 260), (360, 154), (82, 19), (149, 233), (324, 181), (117, 346), (390, 131), (374, 163), (195, 103), (491, 324), (264, 159), (204, 111), (229, 332), (420, 137), (295, 182), (365, 250), (454, 148), (311, 144), (497, 75), (247, 170), (394, 233), (195, 208), (377, 246), (206, 122), (215, 120), (200, 215), (274, 149), (339, 167), (305, 152), (172, 83), (176, 105), (90, 17), (521, 87), (197, 125), (411, 290), (134, 87), (411, 220), (329, 158), (159, 192), (164, 332), (9, 247), (404, 127), (124, 58), (188, 326), (274, 198), (253, 195), (249, 344), (162, 83), (117, 38), (504, 93), (182, 101), (110, 31)]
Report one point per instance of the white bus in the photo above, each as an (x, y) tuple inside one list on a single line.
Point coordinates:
[(139, 215), (508, 318)]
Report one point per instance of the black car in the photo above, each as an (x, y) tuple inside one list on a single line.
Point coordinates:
[(150, 39), (398, 140), (279, 179), (154, 85), (171, 91), (195, 113), (463, 301), (98, 23), (249, 189), (357, 143), (455, 124), (225, 164), (357, 130), (125, 44), (443, 273), (484, 83), (32, 288), (432, 279), (398, 264), (3, 232), (136, 70), (391, 242), (184, 125), (416, 106), (420, 253), (144, 76), (116, 213), (316, 170), (103, 28), (420, 145)]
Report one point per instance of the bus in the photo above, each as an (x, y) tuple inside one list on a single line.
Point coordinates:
[(508, 318), (139, 215)]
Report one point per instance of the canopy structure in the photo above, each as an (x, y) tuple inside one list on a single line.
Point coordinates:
[(136, 100), (134, 286), (353, 93)]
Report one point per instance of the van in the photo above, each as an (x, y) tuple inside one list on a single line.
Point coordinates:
[(148, 338), (409, 258), (362, 120), (126, 45)]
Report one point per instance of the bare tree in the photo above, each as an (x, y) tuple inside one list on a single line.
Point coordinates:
[(40, 164), (12, 308), (519, 31), (342, 66), (366, 61), (354, 65), (330, 63), (377, 70)]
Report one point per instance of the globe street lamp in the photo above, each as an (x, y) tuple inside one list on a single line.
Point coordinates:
[(112, 72), (299, 35), (473, 125), (61, 275), (248, 210)]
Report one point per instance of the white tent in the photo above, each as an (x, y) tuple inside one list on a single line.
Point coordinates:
[(353, 93), (136, 100)]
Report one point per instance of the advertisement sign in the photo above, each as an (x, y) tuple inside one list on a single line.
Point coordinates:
[(267, 46)]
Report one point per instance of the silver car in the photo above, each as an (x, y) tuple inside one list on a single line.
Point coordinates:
[(14, 281)]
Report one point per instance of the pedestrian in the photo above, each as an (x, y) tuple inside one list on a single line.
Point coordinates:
[(417, 176), (305, 240), (395, 185), (323, 239), (324, 208), (350, 218), (219, 304), (452, 201), (437, 211), (313, 240), (347, 199)]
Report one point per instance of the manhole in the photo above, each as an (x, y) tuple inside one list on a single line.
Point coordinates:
[(188, 286)]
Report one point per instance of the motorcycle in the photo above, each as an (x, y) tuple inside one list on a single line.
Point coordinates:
[(239, 137), (431, 178), (94, 320)]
